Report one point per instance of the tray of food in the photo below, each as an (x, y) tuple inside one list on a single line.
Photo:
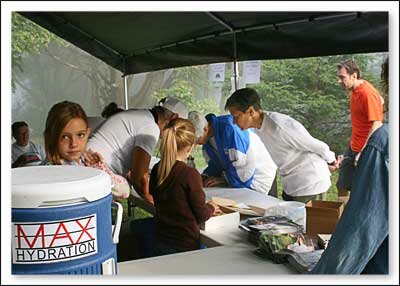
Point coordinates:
[(280, 224), (273, 224)]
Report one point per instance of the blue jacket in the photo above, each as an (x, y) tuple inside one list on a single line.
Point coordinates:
[(360, 241), (232, 147)]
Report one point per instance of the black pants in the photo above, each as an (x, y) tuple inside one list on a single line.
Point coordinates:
[(303, 199), (274, 188), (347, 170)]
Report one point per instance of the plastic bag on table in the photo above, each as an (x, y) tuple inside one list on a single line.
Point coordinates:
[(276, 239), (288, 247)]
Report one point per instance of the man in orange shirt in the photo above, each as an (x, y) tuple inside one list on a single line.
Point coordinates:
[(366, 110)]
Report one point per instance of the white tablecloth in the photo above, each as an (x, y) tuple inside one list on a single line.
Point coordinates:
[(228, 252), (222, 260), (240, 195)]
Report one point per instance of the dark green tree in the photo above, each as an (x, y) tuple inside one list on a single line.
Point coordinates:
[(28, 39), (307, 90)]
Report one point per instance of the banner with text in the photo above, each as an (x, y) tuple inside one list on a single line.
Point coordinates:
[(251, 71), (217, 72)]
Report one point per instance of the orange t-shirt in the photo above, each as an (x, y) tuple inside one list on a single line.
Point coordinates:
[(366, 105)]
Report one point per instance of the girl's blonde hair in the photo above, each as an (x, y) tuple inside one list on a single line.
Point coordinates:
[(58, 117), (178, 134)]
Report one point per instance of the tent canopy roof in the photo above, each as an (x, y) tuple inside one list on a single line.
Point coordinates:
[(135, 42)]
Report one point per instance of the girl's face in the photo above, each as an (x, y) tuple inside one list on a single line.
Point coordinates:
[(73, 139)]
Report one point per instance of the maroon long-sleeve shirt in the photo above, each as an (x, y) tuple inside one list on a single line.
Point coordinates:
[(180, 207)]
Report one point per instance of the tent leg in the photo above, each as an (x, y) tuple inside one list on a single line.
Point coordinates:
[(126, 92), (235, 74), (235, 66)]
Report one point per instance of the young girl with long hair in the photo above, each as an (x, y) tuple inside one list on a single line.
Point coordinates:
[(178, 193), (66, 136)]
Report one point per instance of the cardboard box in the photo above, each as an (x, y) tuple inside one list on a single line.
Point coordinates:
[(230, 218), (322, 217)]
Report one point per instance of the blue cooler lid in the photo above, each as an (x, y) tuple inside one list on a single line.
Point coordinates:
[(57, 186)]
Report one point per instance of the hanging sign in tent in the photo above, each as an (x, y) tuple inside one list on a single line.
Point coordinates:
[(251, 71), (217, 72)]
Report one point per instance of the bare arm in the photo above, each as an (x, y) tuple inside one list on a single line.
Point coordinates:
[(214, 182), (375, 125), (24, 159), (139, 173)]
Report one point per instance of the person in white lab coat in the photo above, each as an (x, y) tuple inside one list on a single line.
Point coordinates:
[(304, 162)]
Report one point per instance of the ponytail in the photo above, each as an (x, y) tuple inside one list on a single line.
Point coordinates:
[(168, 155), (179, 134)]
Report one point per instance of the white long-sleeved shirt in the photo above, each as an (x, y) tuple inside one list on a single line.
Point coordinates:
[(301, 159), (265, 168)]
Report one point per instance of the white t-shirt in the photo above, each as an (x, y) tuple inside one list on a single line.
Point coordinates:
[(265, 171), (301, 159), (116, 138), (30, 149)]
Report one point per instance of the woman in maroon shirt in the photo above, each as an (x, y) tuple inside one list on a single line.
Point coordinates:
[(178, 194)]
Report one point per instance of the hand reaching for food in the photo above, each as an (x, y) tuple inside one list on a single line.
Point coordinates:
[(217, 209)]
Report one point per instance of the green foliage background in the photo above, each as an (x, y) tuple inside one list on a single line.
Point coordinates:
[(306, 89), (27, 39)]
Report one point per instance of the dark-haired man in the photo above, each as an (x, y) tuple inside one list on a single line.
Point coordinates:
[(23, 151), (366, 110), (364, 249)]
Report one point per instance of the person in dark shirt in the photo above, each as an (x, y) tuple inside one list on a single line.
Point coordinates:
[(178, 194)]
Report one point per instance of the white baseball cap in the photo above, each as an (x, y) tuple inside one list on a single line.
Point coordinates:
[(174, 105), (199, 122)]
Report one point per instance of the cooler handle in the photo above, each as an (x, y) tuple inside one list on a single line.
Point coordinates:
[(118, 221)]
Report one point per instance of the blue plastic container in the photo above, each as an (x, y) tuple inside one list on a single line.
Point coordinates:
[(61, 221)]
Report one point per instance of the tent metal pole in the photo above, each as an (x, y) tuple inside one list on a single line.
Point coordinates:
[(126, 91), (231, 30), (125, 83), (235, 74), (235, 61)]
